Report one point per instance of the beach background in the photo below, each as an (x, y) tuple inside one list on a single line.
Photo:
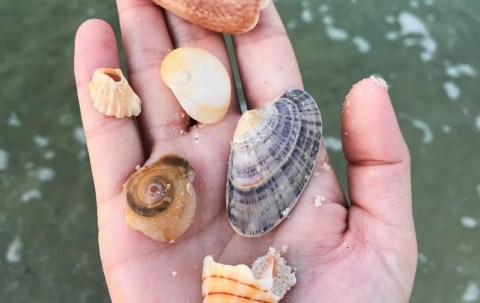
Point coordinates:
[(426, 50)]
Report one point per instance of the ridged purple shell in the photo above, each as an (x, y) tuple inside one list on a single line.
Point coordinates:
[(271, 163)]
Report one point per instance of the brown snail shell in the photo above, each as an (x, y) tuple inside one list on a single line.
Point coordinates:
[(225, 16), (161, 199)]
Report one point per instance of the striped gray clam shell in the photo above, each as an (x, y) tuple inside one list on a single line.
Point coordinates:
[(272, 157)]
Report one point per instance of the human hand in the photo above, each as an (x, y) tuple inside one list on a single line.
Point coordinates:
[(362, 252)]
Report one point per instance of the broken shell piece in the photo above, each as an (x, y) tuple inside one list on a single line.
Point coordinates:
[(268, 281), (283, 275), (112, 95), (161, 199), (199, 81), (273, 153), (225, 16)]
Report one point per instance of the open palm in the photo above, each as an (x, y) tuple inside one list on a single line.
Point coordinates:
[(362, 252)]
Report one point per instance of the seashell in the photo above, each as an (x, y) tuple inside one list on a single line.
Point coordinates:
[(161, 199), (268, 281), (225, 16), (199, 81), (272, 157), (112, 95)]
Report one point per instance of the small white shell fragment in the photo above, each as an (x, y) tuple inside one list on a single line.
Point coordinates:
[(199, 81), (319, 201), (285, 212), (112, 95)]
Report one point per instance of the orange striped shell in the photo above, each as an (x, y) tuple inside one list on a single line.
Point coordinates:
[(235, 284)]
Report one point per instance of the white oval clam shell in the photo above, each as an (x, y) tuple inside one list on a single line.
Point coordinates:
[(199, 81)]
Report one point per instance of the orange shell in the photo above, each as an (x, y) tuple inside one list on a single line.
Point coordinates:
[(235, 284), (225, 16)]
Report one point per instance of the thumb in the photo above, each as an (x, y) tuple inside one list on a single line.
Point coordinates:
[(378, 159)]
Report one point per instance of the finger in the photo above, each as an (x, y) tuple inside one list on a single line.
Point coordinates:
[(184, 33), (146, 42), (113, 144), (378, 159), (266, 60)]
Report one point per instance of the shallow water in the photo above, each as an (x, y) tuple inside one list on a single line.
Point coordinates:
[(426, 50)]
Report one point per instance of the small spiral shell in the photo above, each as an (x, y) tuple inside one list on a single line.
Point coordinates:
[(272, 157), (161, 199)]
